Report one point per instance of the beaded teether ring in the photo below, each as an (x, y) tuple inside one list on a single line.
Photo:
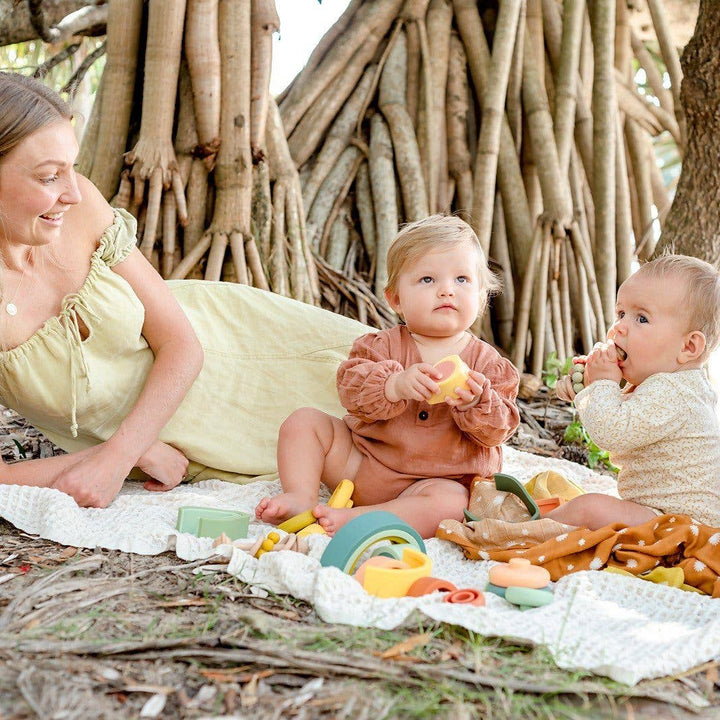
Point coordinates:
[(577, 374)]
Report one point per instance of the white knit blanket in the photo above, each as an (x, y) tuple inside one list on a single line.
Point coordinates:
[(622, 627)]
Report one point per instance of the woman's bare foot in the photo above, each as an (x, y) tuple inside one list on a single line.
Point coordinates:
[(278, 508), (332, 519)]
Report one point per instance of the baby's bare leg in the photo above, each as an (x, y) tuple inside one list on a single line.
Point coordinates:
[(595, 510), (422, 505), (312, 447)]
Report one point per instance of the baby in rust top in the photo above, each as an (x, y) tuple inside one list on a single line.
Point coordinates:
[(404, 455)]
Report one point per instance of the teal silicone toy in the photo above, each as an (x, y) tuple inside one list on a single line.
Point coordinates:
[(394, 550), (361, 533), (507, 483), (528, 597), (212, 522)]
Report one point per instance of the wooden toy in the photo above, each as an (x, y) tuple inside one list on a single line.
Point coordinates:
[(568, 386), (454, 374), (519, 572)]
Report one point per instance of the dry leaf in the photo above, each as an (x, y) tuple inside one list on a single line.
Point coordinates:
[(406, 646)]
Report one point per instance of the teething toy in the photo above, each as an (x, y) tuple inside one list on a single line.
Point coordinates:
[(385, 577), (454, 374), (576, 378), (465, 596), (427, 585), (267, 544), (306, 523), (354, 538), (519, 572), (212, 522)]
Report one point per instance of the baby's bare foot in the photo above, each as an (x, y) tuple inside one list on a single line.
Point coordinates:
[(275, 510), (332, 519)]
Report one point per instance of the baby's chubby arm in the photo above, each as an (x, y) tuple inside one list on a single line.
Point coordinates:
[(417, 382)]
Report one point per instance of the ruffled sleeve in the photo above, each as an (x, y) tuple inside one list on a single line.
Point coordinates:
[(119, 239), (361, 379), (495, 417)]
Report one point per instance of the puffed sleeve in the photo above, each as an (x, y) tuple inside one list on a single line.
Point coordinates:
[(119, 239), (361, 379), (495, 417)]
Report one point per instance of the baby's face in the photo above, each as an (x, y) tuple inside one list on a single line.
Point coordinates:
[(651, 326), (439, 294)]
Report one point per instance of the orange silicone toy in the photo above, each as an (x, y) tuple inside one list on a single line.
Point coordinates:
[(519, 572)]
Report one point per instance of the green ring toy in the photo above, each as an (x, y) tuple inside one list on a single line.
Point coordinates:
[(528, 597), (356, 536)]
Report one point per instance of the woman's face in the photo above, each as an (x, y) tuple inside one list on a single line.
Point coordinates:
[(38, 185)]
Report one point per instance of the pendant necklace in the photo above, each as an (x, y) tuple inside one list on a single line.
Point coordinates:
[(11, 307)]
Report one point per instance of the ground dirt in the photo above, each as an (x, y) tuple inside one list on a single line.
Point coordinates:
[(104, 634)]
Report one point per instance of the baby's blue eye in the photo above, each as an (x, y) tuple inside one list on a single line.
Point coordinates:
[(426, 280), (462, 279), (642, 319)]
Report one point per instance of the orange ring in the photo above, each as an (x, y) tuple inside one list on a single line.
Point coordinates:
[(427, 585), (465, 596)]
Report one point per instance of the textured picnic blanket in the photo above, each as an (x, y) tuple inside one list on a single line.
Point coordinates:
[(668, 541), (605, 623)]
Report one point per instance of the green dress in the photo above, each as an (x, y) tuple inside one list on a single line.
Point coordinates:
[(265, 356)]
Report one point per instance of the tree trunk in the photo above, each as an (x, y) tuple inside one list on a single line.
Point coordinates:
[(17, 26), (693, 223)]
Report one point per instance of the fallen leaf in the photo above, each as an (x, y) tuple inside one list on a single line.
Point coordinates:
[(183, 602), (406, 646), (69, 552)]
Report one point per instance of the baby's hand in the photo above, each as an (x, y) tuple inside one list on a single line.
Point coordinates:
[(468, 397), (418, 382), (602, 363)]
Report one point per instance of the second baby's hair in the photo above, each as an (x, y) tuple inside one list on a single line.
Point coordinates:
[(433, 233)]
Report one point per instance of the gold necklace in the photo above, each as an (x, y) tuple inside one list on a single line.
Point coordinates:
[(10, 306)]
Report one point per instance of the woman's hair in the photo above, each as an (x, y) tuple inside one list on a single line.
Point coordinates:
[(26, 105), (433, 233), (702, 292)]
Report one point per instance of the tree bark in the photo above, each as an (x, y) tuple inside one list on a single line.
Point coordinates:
[(693, 223), (16, 25)]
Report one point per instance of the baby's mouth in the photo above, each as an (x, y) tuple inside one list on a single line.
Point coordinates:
[(622, 355)]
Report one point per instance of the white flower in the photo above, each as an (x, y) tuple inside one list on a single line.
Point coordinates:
[(699, 566), (641, 542), (715, 539), (541, 559), (694, 529), (562, 537), (672, 519), (525, 531), (596, 563), (615, 548), (486, 536), (581, 542), (632, 563), (570, 567)]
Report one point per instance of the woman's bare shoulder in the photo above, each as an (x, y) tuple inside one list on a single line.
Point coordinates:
[(89, 219)]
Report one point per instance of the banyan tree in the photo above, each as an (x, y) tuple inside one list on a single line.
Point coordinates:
[(522, 116)]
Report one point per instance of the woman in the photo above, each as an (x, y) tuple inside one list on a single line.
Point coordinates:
[(116, 366)]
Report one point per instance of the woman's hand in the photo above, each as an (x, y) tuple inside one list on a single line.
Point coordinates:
[(470, 397), (418, 382), (164, 464), (95, 479)]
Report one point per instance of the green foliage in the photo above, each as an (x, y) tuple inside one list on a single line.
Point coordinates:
[(554, 369), (576, 434)]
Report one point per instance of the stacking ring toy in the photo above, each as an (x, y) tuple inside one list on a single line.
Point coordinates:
[(519, 572), (357, 536), (465, 596), (389, 581), (427, 585), (528, 597)]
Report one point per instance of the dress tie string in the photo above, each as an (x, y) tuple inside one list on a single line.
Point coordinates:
[(70, 321)]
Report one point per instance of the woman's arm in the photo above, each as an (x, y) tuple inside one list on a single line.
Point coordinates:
[(178, 360)]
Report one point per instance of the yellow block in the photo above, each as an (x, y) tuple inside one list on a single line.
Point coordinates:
[(455, 374)]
